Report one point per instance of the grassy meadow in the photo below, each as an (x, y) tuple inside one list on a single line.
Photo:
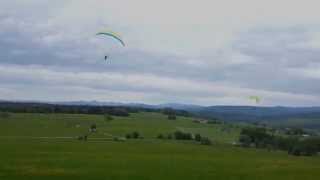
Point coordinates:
[(44, 146)]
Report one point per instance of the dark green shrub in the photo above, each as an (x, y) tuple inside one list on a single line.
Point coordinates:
[(80, 138), (197, 137), (160, 136), (179, 135), (172, 117), (296, 151), (135, 135), (205, 141), (128, 136), (108, 117), (93, 128), (245, 140)]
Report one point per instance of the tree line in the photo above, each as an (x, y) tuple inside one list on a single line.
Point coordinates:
[(18, 107), (180, 135), (294, 145)]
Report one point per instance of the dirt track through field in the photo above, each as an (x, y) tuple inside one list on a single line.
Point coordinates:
[(34, 137), (51, 138)]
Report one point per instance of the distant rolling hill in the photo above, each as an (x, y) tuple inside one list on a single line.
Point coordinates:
[(252, 113), (294, 116), (307, 117)]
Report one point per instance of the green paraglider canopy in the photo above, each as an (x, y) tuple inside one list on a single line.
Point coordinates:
[(257, 99), (113, 35)]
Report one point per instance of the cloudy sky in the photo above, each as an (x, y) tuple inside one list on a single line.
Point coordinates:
[(215, 52)]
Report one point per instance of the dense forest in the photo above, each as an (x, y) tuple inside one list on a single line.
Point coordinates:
[(16, 107)]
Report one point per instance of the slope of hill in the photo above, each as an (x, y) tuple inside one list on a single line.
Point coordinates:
[(44, 146), (308, 117), (253, 113)]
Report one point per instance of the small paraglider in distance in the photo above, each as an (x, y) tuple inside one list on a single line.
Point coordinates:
[(256, 99), (112, 35)]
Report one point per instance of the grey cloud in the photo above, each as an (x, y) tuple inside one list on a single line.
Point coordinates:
[(39, 79), (274, 52), (40, 56)]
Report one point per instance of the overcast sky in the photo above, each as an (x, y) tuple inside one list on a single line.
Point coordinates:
[(215, 52)]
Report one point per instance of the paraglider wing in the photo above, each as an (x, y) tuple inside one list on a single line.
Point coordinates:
[(113, 35), (257, 99)]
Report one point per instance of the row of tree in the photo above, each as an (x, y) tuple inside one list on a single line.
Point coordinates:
[(134, 135), (19, 107), (69, 109), (179, 135), (295, 145)]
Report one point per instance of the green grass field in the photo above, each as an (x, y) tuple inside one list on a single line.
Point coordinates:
[(149, 125), (38, 146)]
